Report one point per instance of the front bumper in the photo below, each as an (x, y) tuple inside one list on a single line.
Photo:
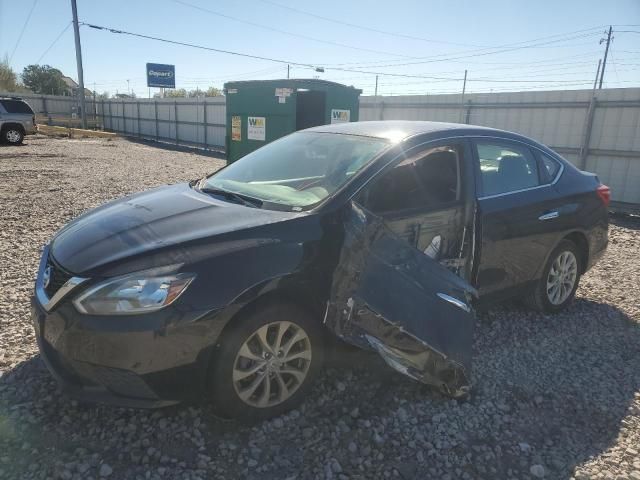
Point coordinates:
[(151, 360), (145, 369)]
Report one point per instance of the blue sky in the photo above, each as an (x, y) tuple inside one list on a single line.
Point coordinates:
[(436, 38)]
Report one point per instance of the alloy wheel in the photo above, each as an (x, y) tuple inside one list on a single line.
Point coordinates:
[(13, 136), (562, 277), (272, 364)]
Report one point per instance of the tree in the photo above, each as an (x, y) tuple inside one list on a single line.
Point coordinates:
[(103, 96), (8, 78), (182, 93), (44, 79), (175, 93), (196, 93), (213, 92)]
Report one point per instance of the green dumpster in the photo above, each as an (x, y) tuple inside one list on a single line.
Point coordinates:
[(261, 111)]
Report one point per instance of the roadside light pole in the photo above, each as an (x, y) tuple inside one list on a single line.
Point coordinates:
[(76, 31)]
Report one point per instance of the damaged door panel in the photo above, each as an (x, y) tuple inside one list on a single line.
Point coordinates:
[(390, 297)]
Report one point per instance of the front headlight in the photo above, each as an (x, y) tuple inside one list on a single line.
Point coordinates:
[(135, 293)]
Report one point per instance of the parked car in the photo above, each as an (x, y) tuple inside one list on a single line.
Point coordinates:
[(387, 234), (16, 120)]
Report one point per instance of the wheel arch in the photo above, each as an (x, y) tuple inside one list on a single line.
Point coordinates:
[(19, 126), (287, 289), (579, 239)]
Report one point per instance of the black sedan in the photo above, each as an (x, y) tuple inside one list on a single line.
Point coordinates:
[(387, 234)]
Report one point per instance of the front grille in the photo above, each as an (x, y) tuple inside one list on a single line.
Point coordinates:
[(58, 277)]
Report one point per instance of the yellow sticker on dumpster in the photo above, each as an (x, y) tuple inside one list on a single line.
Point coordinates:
[(236, 128)]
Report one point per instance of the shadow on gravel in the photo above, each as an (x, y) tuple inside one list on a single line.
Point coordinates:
[(565, 381), (625, 221), (549, 390), (219, 154)]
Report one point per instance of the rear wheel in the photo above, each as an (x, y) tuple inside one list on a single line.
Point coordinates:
[(12, 135), (267, 363), (557, 287)]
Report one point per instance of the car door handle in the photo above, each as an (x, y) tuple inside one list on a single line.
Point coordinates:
[(549, 215)]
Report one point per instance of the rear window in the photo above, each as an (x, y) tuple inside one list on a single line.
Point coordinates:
[(16, 106)]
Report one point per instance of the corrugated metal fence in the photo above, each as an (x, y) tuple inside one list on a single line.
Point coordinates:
[(198, 122), (600, 134)]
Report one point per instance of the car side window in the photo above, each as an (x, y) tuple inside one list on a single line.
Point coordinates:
[(426, 180), (550, 168), (506, 168), (16, 106)]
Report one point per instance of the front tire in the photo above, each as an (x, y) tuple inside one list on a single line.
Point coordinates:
[(267, 363), (12, 136), (560, 278)]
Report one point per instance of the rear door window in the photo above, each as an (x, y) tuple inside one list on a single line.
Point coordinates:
[(506, 167), (16, 106)]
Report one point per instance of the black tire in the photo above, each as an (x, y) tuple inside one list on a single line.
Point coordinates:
[(538, 298), (225, 397), (12, 135)]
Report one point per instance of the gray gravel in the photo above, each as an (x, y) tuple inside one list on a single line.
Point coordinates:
[(554, 397)]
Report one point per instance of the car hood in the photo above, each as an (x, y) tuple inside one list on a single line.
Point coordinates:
[(148, 221)]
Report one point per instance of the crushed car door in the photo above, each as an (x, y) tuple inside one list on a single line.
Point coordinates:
[(389, 296)]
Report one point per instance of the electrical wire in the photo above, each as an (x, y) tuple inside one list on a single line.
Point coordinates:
[(370, 29), (434, 60), (305, 65), (284, 32), (24, 27), (489, 50), (54, 42)]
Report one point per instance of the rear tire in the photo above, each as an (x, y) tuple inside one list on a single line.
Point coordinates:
[(12, 135), (267, 363), (560, 278)]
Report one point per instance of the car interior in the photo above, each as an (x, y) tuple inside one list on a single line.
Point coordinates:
[(506, 172)]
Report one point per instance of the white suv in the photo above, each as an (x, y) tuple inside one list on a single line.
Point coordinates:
[(16, 120)]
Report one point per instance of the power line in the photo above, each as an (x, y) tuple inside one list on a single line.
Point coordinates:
[(434, 60), (284, 32), (281, 61), (370, 29), (240, 54), (491, 50), (54, 42), (24, 27)]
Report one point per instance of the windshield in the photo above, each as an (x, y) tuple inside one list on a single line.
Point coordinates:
[(299, 170)]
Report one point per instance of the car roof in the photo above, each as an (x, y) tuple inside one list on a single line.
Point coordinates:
[(399, 129)]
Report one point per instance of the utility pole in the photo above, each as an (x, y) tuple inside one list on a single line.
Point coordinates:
[(287, 70), (376, 94), (128, 89), (76, 32), (464, 89), (606, 52), (595, 82)]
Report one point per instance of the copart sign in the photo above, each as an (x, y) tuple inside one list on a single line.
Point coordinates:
[(159, 75)]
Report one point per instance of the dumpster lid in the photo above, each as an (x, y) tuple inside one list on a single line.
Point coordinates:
[(290, 83)]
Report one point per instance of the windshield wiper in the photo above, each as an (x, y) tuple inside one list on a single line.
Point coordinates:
[(247, 202)]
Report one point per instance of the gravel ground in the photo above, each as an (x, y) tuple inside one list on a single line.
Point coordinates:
[(554, 397)]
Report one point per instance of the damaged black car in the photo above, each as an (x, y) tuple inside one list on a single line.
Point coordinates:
[(386, 234)]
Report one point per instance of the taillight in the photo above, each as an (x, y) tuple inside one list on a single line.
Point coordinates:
[(604, 193)]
